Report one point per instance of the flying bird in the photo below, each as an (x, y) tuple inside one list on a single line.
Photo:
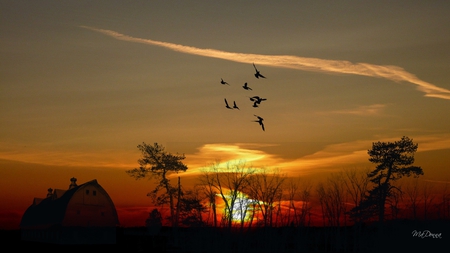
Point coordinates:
[(257, 74), (260, 121), (223, 82), (257, 100), (226, 104), (235, 106), (246, 87)]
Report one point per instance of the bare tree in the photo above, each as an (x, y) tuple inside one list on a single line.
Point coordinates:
[(242, 207), (394, 201), (412, 195), (305, 198), (278, 210), (428, 197), (419, 195), (207, 182), (323, 200), (292, 188), (332, 199), (356, 184), (333, 202), (230, 183), (443, 205), (298, 191), (265, 187)]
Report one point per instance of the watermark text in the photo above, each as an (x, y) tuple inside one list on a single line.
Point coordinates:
[(426, 234)]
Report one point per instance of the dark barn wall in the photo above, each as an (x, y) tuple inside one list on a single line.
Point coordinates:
[(84, 214)]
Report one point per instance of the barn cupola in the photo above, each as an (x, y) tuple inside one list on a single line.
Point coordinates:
[(73, 183), (49, 192)]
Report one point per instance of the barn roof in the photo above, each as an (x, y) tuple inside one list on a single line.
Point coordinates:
[(50, 211)]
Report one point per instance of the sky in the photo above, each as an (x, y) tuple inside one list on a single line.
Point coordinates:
[(82, 83)]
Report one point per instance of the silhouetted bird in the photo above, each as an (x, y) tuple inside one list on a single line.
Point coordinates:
[(254, 98), (226, 104), (223, 82), (260, 121), (235, 106), (257, 100), (246, 87), (257, 74)]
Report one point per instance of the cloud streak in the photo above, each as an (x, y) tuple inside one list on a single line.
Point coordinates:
[(333, 157), (364, 110), (392, 73)]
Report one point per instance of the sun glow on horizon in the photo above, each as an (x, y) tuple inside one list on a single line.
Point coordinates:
[(252, 154), (243, 207), (330, 157)]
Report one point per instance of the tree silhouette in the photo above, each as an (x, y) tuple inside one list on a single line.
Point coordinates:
[(297, 189), (192, 209), (154, 222), (229, 183), (332, 199), (265, 186), (356, 183), (207, 182), (156, 162), (394, 160), (412, 193)]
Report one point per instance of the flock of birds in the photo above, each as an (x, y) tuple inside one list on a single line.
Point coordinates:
[(255, 99)]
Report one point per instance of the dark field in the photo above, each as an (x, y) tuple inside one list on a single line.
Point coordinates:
[(398, 236)]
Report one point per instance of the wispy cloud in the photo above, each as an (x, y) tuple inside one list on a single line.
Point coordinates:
[(225, 153), (331, 157), (335, 156), (46, 156), (364, 110), (433, 142), (392, 73)]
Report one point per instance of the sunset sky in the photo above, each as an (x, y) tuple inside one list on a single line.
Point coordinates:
[(82, 83)]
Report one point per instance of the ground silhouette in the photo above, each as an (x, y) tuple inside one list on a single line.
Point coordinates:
[(391, 236)]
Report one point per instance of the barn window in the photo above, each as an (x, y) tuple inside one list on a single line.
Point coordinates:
[(87, 192), (94, 193)]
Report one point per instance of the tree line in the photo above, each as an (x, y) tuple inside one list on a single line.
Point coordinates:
[(238, 195)]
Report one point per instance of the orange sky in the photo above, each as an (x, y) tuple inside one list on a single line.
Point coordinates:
[(82, 84), (22, 181)]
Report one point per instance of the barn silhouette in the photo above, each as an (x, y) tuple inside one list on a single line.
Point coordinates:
[(82, 214)]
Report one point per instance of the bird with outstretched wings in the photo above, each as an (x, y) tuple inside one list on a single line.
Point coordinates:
[(246, 87), (258, 74), (260, 121), (223, 82), (257, 100)]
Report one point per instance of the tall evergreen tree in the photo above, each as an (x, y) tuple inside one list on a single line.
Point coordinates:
[(394, 160)]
